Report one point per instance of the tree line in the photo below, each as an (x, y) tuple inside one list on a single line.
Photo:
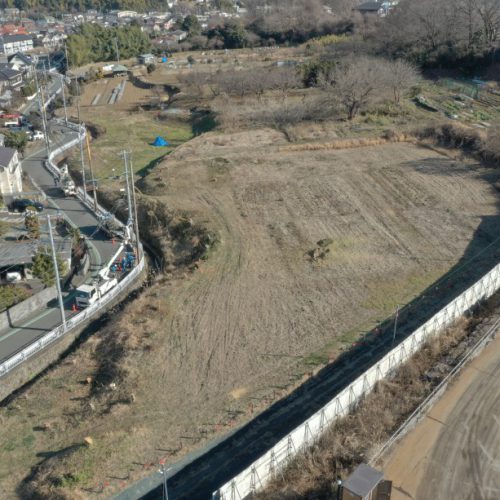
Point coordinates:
[(93, 43)]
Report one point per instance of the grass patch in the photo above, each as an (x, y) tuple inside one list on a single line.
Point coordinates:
[(134, 131)]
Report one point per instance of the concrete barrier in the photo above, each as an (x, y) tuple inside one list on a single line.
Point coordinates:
[(10, 318)]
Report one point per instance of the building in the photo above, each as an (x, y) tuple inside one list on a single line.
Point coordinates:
[(10, 79), (146, 59), (21, 62), (366, 483), (10, 44), (10, 171)]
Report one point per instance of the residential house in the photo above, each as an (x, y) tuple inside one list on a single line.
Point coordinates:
[(12, 29), (10, 79), (10, 44), (52, 40), (10, 171), (375, 9), (22, 62)]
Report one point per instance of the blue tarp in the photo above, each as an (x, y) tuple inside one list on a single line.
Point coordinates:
[(160, 142)]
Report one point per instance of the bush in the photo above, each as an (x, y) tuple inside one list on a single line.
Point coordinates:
[(43, 267), (150, 68), (10, 295)]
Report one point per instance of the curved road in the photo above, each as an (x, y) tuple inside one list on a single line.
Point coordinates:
[(454, 452), (33, 327)]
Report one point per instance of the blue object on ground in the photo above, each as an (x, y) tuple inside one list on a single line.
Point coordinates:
[(160, 142)]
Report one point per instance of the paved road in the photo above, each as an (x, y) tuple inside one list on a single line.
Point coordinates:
[(454, 451), (102, 249)]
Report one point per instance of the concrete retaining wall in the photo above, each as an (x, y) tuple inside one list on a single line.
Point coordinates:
[(15, 314)]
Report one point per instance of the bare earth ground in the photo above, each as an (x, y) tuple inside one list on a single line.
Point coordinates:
[(453, 452), (228, 339)]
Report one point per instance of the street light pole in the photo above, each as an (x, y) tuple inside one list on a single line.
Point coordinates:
[(56, 272)]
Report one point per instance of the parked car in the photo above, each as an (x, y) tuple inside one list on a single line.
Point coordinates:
[(37, 135), (21, 205)]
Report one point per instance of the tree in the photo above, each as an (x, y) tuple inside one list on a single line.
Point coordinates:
[(32, 223), (355, 84), (16, 140), (191, 25), (43, 266), (234, 35), (401, 76)]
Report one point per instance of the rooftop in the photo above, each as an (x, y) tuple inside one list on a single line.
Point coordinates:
[(363, 480), (6, 155)]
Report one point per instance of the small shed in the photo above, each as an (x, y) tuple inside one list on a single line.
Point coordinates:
[(146, 59), (366, 483)]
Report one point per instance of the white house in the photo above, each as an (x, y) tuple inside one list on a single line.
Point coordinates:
[(10, 44), (10, 171)]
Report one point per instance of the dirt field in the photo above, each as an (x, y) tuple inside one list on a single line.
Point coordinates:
[(453, 452), (223, 342)]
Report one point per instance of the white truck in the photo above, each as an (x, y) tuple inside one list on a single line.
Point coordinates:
[(66, 183), (86, 295)]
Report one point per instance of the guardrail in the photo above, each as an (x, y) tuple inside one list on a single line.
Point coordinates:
[(90, 311), (263, 469)]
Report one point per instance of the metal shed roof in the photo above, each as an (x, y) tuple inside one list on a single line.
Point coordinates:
[(363, 480)]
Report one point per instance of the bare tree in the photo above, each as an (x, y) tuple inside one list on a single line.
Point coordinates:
[(355, 84), (400, 77)]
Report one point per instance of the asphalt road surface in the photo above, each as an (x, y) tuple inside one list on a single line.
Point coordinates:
[(102, 249)]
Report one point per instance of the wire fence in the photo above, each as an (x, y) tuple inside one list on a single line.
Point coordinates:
[(256, 475)]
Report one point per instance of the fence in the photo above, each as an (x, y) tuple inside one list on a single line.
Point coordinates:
[(90, 311), (263, 469)]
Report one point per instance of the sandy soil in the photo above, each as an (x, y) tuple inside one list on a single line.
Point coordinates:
[(222, 343), (453, 452)]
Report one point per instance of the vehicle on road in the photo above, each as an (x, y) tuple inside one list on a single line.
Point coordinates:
[(86, 295), (66, 183), (37, 135), (20, 205)]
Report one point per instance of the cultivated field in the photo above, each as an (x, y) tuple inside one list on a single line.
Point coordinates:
[(205, 351)]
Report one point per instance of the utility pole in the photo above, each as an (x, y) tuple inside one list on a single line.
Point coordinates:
[(64, 100), (117, 51), (94, 191), (41, 105), (82, 156), (136, 220), (56, 272), (129, 198)]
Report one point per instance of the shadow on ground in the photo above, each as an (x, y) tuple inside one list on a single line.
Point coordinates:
[(223, 461)]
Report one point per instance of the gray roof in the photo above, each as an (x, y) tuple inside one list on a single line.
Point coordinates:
[(6, 155), (14, 253), (363, 480), (369, 7), (16, 38), (7, 73), (23, 57)]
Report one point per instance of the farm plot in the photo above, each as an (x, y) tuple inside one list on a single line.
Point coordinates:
[(314, 247)]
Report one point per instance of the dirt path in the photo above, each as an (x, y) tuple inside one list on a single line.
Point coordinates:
[(453, 452)]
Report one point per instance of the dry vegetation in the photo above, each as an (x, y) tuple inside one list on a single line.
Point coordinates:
[(280, 247), (200, 351), (353, 439)]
